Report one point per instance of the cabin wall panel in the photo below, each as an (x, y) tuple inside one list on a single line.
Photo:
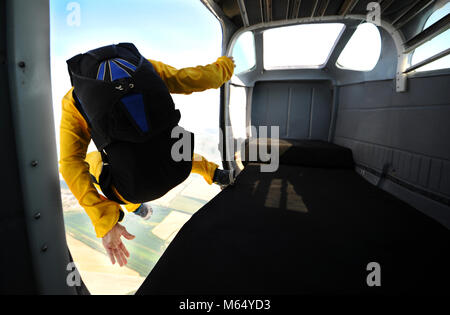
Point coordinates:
[(409, 131), (302, 109)]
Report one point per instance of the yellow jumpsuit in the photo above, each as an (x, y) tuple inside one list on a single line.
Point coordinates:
[(76, 167)]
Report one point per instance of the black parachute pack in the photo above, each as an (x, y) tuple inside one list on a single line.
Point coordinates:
[(120, 95), (130, 114)]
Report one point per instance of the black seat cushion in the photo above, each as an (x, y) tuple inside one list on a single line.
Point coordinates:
[(311, 153), (304, 230)]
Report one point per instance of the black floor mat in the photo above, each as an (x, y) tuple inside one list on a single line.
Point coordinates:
[(310, 153), (303, 231)]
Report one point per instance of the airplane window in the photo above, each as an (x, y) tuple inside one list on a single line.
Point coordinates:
[(363, 50), (244, 52), (179, 33), (300, 46), (434, 46)]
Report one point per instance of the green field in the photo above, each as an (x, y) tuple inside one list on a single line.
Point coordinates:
[(145, 249)]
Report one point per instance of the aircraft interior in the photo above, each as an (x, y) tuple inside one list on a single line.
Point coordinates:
[(362, 153)]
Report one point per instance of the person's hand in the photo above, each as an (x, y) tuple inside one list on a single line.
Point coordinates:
[(114, 246)]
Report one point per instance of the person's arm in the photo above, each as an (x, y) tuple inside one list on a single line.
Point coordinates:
[(195, 79), (104, 213), (74, 142)]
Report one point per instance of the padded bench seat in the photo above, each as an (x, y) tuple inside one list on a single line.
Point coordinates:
[(303, 230), (311, 153)]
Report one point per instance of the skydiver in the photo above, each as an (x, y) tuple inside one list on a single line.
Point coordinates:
[(121, 101)]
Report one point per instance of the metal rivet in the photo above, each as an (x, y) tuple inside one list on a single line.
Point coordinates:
[(34, 163), (37, 216), (44, 248)]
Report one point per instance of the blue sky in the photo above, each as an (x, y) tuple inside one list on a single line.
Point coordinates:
[(163, 24), (180, 33)]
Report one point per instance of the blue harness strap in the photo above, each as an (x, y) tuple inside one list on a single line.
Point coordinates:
[(134, 103)]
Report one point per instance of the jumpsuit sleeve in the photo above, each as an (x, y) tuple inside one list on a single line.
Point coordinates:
[(74, 143), (195, 79)]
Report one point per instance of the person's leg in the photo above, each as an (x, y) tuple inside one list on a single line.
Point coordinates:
[(211, 172), (137, 209), (203, 167), (145, 211), (142, 210), (131, 207), (94, 159)]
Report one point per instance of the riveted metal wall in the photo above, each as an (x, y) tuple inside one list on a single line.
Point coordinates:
[(16, 272), (28, 64)]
